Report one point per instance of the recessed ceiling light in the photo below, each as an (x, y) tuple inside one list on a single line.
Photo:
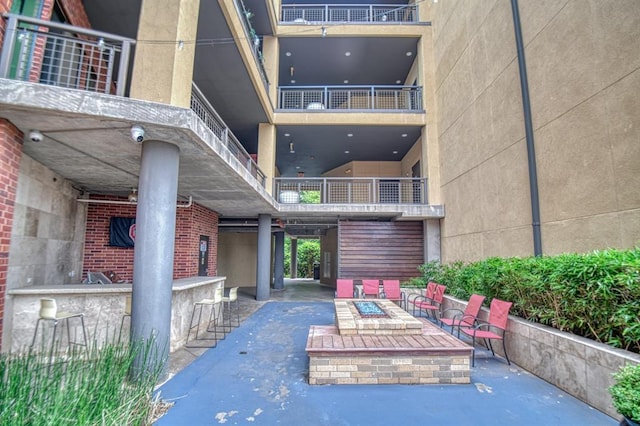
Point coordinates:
[(398, 81), (347, 53), (288, 53), (395, 152), (297, 167), (287, 134), (404, 135), (350, 135), (347, 152), (409, 53), (293, 81), (346, 82)]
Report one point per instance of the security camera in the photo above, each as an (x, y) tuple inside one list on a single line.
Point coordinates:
[(137, 133), (35, 136)]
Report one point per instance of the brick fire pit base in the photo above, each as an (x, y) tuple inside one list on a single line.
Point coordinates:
[(434, 356)]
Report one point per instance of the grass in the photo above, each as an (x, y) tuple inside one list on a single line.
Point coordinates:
[(89, 387)]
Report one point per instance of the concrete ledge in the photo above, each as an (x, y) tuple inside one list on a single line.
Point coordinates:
[(579, 366)]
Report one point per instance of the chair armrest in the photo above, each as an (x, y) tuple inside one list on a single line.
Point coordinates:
[(460, 312)]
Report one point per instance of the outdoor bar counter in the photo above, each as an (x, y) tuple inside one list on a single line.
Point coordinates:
[(103, 306)]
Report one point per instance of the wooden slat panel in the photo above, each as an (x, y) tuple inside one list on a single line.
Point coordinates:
[(384, 250)]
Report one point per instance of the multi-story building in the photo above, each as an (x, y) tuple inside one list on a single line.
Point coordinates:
[(394, 131)]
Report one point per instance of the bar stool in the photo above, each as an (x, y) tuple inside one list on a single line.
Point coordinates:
[(126, 314), (214, 318), (49, 312), (232, 298)]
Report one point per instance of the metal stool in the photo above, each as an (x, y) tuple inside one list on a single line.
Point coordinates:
[(214, 318), (232, 298), (49, 312), (125, 315)]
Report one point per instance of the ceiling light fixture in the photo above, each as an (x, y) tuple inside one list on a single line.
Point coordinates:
[(291, 70), (346, 82), (133, 196), (398, 81), (287, 134), (409, 53), (347, 53), (404, 135), (288, 54), (347, 152), (395, 152), (291, 148), (349, 135)]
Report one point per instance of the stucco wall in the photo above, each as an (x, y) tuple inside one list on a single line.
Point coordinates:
[(238, 257), (584, 76)]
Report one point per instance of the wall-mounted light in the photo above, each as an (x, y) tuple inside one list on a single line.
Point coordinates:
[(291, 70), (133, 196), (291, 148), (348, 171)]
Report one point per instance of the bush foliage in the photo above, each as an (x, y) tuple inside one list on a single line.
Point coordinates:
[(595, 295)]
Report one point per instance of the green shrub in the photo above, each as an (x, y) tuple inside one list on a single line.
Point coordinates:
[(92, 387), (595, 295), (625, 392)]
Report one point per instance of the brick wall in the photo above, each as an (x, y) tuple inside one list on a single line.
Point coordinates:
[(10, 154), (190, 224)]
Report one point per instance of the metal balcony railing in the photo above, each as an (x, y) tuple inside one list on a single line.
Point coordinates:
[(212, 120), (63, 55), (73, 57), (388, 98), (352, 13), (351, 190), (253, 38)]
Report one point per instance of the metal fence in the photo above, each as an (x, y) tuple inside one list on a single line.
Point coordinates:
[(394, 98), (212, 120), (351, 190), (321, 13), (63, 55)]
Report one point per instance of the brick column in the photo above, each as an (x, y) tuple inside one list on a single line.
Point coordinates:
[(10, 154)]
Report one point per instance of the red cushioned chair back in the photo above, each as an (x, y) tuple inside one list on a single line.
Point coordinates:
[(344, 288), (371, 287), (438, 297), (391, 289), (499, 313), (474, 305), (431, 290)]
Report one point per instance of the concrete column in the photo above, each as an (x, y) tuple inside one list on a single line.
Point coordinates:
[(154, 248), (278, 260), (431, 240), (267, 153), (263, 273), (294, 258), (271, 54), (163, 66)]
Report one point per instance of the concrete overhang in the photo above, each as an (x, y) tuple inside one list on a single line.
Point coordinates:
[(351, 118), (87, 140)]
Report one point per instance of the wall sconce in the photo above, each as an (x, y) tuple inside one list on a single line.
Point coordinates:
[(133, 196), (291, 148), (347, 172)]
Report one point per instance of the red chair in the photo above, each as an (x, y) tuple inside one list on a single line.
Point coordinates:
[(344, 289), (494, 329), (466, 318), (432, 307), (371, 288), (391, 290), (429, 293)]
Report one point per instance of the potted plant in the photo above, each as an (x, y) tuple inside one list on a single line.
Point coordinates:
[(625, 393)]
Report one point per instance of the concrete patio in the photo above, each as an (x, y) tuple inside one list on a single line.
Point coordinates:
[(259, 374)]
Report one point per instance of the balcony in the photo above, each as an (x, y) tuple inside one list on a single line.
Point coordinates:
[(352, 98), (351, 190), (351, 13), (254, 40), (62, 55)]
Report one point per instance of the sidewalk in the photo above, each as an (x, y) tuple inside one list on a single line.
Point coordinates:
[(258, 374)]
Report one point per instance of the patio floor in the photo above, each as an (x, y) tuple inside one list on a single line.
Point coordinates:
[(259, 375)]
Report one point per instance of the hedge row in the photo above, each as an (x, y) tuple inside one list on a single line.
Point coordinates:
[(595, 295)]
